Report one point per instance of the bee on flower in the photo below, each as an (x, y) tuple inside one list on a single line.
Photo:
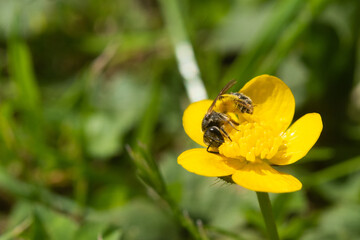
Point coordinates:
[(254, 140), (214, 122)]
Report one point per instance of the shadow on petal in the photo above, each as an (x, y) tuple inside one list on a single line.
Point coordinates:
[(201, 162), (261, 177)]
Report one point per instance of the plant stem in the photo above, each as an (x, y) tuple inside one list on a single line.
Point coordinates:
[(266, 210)]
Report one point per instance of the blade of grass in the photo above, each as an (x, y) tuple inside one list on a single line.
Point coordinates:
[(151, 177), (21, 71), (244, 67), (357, 64), (89, 82), (291, 34), (344, 168), (17, 230), (29, 191), (6, 126), (146, 127), (27, 102), (184, 52)]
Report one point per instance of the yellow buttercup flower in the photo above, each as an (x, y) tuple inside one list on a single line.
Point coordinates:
[(261, 140)]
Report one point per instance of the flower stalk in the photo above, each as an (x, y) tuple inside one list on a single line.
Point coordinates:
[(266, 210)]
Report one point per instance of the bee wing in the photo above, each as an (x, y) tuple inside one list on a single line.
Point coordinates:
[(224, 90)]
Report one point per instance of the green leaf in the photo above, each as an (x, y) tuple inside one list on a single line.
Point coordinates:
[(340, 222), (58, 226), (90, 230), (114, 235), (120, 104)]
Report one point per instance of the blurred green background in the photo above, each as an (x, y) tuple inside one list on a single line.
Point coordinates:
[(81, 80)]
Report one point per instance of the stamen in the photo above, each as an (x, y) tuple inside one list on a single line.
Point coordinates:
[(252, 141)]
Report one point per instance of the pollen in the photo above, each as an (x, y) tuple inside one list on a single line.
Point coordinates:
[(252, 141)]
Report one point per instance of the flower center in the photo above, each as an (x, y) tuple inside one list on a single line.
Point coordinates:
[(252, 141)]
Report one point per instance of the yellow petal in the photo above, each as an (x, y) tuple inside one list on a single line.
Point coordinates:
[(201, 162), (274, 103), (299, 139), (192, 120), (261, 177)]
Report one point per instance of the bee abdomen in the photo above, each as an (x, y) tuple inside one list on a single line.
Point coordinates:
[(241, 102)]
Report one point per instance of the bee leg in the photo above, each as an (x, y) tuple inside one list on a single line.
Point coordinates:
[(225, 133), (230, 121), (209, 150), (232, 124)]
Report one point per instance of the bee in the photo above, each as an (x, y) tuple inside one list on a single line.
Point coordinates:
[(236, 102), (214, 121)]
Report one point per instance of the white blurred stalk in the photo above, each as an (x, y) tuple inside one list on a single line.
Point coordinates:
[(184, 52), (354, 106)]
